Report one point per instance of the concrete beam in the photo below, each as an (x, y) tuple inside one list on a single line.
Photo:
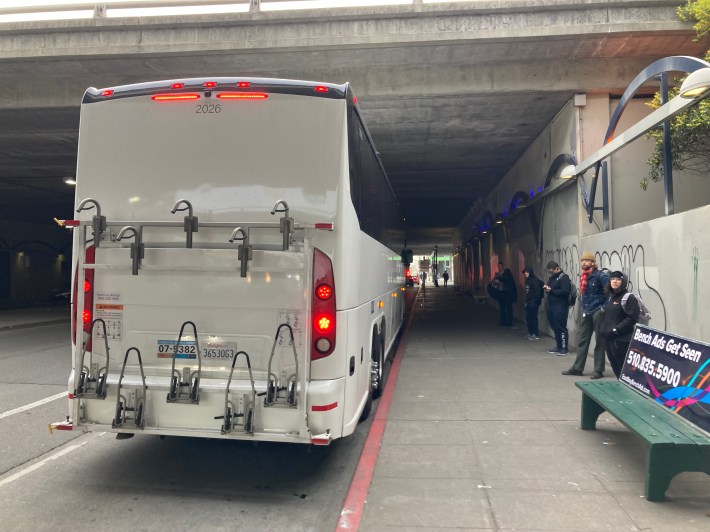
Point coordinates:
[(313, 29)]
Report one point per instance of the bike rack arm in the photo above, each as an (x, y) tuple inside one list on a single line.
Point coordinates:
[(191, 223), (244, 252), (137, 247), (98, 222), (286, 227)]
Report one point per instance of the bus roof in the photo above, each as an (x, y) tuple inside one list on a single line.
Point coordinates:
[(220, 84)]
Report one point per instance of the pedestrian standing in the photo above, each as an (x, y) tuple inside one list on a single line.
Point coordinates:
[(445, 276), (592, 285), (558, 288), (533, 300), (618, 322), (508, 296)]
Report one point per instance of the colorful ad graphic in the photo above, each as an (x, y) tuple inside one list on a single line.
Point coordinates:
[(672, 370)]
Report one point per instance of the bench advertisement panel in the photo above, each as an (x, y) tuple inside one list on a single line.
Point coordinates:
[(672, 370)]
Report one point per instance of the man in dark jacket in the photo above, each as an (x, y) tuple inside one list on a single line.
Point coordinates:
[(533, 299), (558, 288), (618, 321), (592, 283)]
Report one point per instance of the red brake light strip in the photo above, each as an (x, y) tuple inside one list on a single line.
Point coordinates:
[(242, 96), (169, 97)]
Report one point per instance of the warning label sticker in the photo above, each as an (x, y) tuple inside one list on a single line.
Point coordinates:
[(112, 314), (294, 319)]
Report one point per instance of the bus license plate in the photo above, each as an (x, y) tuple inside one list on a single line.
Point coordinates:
[(188, 349)]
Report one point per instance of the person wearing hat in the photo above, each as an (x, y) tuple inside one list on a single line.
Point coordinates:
[(592, 283), (618, 323)]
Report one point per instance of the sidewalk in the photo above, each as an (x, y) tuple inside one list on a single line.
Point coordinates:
[(33, 317), (483, 434)]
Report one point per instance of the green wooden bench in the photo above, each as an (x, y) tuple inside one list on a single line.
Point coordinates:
[(673, 445)]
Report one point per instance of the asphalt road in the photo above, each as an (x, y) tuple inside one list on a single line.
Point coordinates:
[(92, 481)]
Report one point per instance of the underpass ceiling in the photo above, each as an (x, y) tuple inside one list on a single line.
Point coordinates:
[(448, 119)]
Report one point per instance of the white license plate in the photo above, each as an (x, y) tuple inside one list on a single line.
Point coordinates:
[(187, 349)]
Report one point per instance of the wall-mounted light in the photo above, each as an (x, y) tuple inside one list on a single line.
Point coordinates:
[(499, 218), (70, 180), (568, 172), (696, 84)]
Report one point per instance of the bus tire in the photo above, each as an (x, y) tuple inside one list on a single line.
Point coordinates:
[(368, 407), (378, 368)]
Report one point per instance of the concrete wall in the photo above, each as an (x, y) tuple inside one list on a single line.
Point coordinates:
[(628, 167), (667, 263), (35, 263), (661, 254)]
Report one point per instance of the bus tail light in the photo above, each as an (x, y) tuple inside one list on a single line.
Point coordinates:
[(322, 306), (88, 294), (242, 96), (174, 97)]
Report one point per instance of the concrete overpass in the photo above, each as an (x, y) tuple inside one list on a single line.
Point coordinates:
[(453, 93)]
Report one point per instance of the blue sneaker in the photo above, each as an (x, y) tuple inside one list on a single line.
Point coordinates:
[(562, 352), (553, 350)]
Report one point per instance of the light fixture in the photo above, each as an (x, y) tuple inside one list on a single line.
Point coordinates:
[(696, 84), (70, 180), (568, 172), (499, 218)]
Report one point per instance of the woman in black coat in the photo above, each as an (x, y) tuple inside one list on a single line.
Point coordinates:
[(618, 321)]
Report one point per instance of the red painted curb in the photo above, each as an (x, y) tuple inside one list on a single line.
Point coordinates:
[(354, 503)]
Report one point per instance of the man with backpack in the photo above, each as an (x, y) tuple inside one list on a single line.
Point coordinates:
[(621, 313), (592, 283), (533, 299), (558, 288)]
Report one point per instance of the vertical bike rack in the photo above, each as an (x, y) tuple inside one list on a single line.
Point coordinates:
[(286, 223), (92, 379), (191, 223), (274, 387), (231, 412), (244, 251), (137, 247), (98, 223), (133, 402), (185, 386)]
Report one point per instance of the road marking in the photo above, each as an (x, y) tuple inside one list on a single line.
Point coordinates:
[(33, 405), (36, 466)]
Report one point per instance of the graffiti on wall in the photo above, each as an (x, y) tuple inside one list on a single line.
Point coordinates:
[(631, 260)]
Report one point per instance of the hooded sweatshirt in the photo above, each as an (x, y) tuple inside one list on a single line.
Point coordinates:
[(533, 288), (617, 323)]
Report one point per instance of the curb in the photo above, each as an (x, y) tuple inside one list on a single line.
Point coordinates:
[(32, 325)]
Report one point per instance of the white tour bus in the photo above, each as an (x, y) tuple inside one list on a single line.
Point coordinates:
[(235, 265)]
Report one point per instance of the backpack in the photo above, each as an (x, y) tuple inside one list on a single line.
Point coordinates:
[(644, 314), (572, 296)]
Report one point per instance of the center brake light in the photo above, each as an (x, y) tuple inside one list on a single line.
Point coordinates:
[(88, 293), (322, 306)]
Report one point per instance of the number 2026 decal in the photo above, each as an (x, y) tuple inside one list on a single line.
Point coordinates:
[(208, 109)]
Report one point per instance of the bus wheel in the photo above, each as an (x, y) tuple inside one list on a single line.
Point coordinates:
[(377, 370), (368, 406)]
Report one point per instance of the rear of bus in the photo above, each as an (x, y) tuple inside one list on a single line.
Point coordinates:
[(219, 205)]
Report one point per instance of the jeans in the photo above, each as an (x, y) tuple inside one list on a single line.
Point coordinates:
[(557, 318), (531, 310), (590, 324), (616, 352)]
